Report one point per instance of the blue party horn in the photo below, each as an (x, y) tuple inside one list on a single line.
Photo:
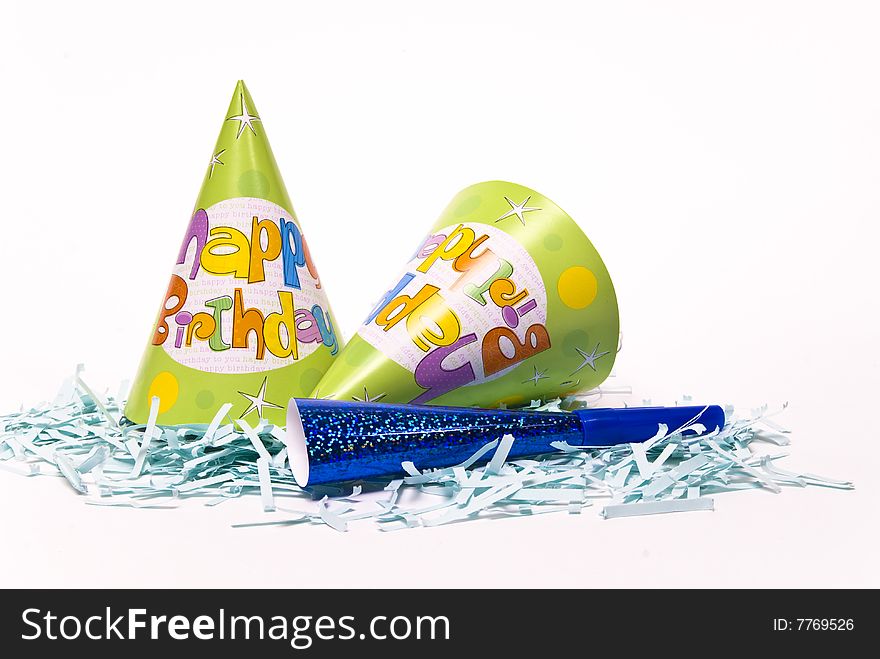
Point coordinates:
[(330, 441)]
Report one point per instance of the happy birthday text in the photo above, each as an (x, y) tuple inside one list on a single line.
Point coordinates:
[(485, 279), (227, 251)]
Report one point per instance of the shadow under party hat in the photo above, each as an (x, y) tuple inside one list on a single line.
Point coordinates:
[(245, 319)]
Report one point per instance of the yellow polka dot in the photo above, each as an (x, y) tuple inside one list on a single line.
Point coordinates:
[(166, 388), (577, 287)]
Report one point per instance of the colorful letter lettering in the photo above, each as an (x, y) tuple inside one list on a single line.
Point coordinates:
[(245, 321), (467, 260), (274, 322), (176, 295), (310, 264), (433, 313), (292, 254), (431, 243), (259, 255), (202, 327), (456, 244), (471, 295), (402, 306), (227, 253), (503, 293), (257, 246), (494, 360), (431, 375), (404, 281), (307, 330), (325, 324), (198, 231), (219, 305), (476, 293)]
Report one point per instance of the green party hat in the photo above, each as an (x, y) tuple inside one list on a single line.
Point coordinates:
[(506, 300), (245, 319)]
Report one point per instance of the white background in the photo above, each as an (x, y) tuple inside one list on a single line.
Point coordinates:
[(723, 157)]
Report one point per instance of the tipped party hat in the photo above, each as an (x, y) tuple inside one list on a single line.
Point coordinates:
[(245, 319), (505, 300)]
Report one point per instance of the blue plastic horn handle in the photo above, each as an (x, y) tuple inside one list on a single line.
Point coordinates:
[(609, 426)]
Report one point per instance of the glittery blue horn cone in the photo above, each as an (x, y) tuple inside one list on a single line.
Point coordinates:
[(331, 441)]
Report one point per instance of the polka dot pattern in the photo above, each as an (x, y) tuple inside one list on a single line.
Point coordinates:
[(166, 387), (205, 399), (253, 183), (553, 242), (577, 287)]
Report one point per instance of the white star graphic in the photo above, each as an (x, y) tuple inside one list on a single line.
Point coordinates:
[(259, 401), (244, 119), (367, 398), (517, 209), (589, 359), (539, 375), (215, 160)]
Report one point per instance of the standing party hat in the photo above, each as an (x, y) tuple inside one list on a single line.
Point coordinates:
[(245, 319), (506, 300)]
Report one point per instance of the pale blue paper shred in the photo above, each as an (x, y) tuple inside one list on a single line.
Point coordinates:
[(79, 437)]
